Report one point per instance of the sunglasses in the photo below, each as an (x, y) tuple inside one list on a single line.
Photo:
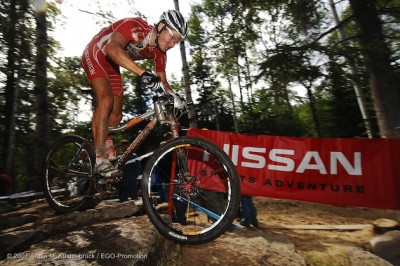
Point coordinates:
[(173, 37)]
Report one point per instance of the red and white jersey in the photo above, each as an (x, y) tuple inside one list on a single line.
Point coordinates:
[(137, 31)]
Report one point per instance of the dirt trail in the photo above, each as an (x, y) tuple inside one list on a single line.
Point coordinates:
[(317, 247)]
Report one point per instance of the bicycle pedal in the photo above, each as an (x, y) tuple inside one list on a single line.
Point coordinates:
[(113, 180), (115, 177)]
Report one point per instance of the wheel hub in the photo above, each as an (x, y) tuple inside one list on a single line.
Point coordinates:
[(190, 188)]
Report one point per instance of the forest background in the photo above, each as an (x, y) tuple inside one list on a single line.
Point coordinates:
[(247, 61)]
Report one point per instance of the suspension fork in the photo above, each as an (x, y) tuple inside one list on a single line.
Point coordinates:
[(179, 167), (180, 154)]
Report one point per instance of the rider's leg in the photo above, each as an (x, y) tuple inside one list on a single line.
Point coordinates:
[(118, 92), (101, 115), (116, 113), (105, 80), (100, 123)]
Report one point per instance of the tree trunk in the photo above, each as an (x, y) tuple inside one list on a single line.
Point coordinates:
[(249, 81), (231, 95), (239, 77), (313, 108), (382, 80), (11, 91), (186, 77), (362, 102), (42, 106)]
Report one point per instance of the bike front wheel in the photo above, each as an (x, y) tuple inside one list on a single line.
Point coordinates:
[(190, 190), (68, 175)]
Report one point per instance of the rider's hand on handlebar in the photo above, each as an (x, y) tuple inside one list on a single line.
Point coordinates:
[(179, 101), (150, 80)]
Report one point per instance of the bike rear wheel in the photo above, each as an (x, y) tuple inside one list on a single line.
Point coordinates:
[(190, 190), (68, 175)]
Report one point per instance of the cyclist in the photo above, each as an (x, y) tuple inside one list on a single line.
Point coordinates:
[(120, 45)]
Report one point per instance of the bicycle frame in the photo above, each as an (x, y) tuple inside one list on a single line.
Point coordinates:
[(158, 117), (200, 206), (161, 108)]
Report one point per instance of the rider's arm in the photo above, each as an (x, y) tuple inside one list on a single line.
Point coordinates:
[(163, 77), (115, 50)]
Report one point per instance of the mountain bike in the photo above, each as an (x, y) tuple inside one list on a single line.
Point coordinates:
[(190, 187)]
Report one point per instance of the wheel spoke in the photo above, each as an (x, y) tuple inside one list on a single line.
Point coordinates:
[(201, 190), (68, 170)]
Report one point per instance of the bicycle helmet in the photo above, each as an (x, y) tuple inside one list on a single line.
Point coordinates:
[(175, 20)]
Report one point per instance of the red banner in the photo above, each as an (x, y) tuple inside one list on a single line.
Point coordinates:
[(354, 172)]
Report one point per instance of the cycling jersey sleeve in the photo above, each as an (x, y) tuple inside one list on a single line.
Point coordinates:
[(134, 30)]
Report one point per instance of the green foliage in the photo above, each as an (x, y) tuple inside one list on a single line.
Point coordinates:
[(338, 105), (305, 15), (66, 95), (281, 44), (212, 107), (136, 99), (267, 115)]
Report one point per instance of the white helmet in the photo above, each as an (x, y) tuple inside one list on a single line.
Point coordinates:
[(176, 21)]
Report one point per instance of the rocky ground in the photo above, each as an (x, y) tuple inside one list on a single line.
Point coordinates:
[(290, 233), (319, 234)]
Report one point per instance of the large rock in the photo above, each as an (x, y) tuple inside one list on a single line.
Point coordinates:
[(114, 234), (387, 246), (111, 234), (127, 241), (360, 257), (244, 247), (18, 232)]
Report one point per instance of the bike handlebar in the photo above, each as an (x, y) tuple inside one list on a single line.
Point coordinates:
[(178, 101)]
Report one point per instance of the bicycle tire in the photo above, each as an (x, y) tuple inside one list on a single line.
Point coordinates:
[(67, 185), (198, 204)]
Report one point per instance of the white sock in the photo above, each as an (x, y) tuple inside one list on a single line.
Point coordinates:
[(99, 159)]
